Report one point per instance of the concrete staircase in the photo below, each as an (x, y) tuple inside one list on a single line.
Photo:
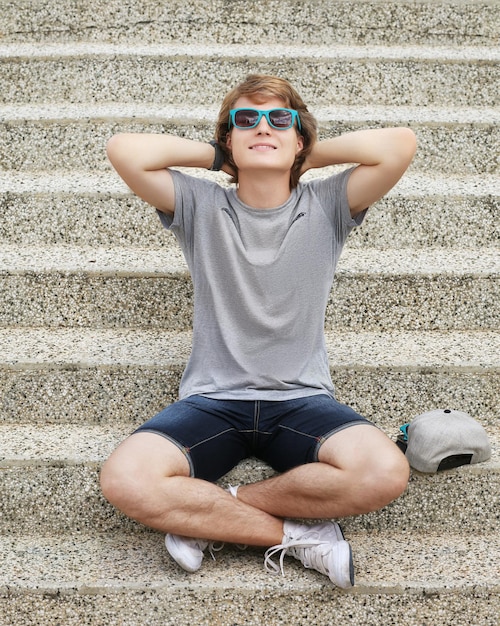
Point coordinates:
[(96, 300)]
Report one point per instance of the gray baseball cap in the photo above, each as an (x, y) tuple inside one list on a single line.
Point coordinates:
[(445, 438)]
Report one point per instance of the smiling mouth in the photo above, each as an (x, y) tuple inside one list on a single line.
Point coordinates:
[(262, 147)]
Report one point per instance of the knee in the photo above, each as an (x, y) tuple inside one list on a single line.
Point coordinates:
[(112, 483), (395, 473), (121, 488), (384, 481)]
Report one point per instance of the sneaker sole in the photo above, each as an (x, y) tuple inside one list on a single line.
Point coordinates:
[(351, 563), (342, 568), (344, 574)]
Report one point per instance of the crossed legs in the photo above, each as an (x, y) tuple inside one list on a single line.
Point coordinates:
[(147, 477)]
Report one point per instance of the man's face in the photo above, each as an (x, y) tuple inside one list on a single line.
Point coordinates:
[(263, 147)]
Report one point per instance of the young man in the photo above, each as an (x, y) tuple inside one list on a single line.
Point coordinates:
[(262, 256)]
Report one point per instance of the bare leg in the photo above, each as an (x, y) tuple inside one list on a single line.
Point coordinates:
[(360, 470), (147, 478)]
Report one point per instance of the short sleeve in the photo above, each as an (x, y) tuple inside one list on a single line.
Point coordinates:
[(332, 196)]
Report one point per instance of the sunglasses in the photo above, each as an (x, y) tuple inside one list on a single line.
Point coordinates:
[(281, 119)]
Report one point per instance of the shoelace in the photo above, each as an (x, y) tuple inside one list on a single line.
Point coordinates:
[(214, 546), (289, 547)]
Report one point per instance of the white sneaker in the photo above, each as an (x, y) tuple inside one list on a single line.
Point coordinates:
[(188, 552), (319, 546)]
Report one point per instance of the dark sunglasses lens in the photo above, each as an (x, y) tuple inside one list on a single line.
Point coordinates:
[(280, 118), (245, 118)]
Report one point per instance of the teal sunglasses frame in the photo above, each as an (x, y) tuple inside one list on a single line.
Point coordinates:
[(267, 115)]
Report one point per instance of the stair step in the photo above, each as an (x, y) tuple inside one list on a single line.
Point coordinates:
[(100, 72), (363, 22), (59, 465), (451, 141), (69, 445), (103, 377), (46, 212), (115, 579), (373, 290), (104, 220), (147, 262), (416, 185), (144, 112)]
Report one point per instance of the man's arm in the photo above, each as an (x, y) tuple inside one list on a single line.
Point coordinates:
[(142, 161), (383, 156)]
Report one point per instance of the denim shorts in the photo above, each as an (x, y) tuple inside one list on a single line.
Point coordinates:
[(215, 435)]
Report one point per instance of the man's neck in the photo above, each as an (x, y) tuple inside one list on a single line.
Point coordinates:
[(264, 192)]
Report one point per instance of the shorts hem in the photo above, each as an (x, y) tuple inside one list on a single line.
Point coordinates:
[(324, 438)]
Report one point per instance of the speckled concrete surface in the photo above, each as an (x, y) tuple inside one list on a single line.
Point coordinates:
[(149, 262), (439, 577), (429, 22), (205, 116), (27, 348), (60, 465), (321, 608), (376, 74), (128, 561), (100, 217), (430, 290), (257, 50), (126, 376), (126, 395), (58, 445), (467, 145), (416, 185)]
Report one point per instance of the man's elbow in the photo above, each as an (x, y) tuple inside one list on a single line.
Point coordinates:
[(407, 144), (399, 152), (115, 148)]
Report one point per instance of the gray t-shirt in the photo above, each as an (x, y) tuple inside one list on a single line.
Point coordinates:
[(262, 279)]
